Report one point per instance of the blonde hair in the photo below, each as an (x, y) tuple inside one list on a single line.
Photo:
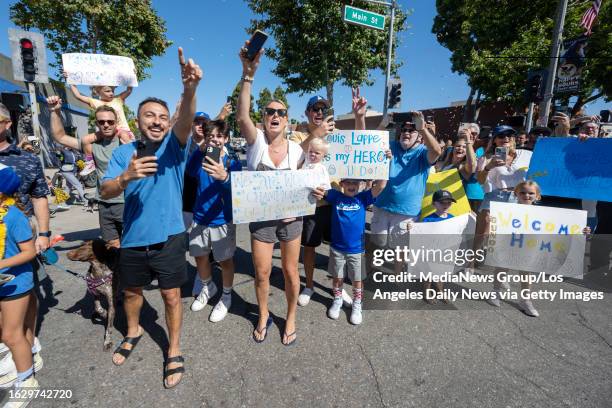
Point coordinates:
[(491, 147), (97, 89), (529, 183), (319, 143)]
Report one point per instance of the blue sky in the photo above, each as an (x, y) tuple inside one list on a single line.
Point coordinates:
[(212, 31)]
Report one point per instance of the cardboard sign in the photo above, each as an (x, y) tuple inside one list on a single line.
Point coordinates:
[(523, 158), (99, 69), (567, 167), (445, 180), (537, 239), (358, 154), (273, 195)]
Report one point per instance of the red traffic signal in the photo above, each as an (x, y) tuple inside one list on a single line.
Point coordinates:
[(27, 59), (26, 43)]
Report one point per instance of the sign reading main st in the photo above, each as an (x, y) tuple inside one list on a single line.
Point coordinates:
[(364, 18)]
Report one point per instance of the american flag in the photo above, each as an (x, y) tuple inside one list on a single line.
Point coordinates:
[(590, 15)]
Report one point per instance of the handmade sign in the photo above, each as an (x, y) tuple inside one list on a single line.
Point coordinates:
[(358, 154), (537, 239), (568, 167), (273, 195), (523, 158), (99, 69), (445, 180)]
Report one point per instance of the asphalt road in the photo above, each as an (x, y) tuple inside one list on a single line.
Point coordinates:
[(460, 356)]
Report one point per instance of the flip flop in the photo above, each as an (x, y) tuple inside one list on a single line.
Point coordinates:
[(171, 371), (259, 331), (125, 352), (292, 342)]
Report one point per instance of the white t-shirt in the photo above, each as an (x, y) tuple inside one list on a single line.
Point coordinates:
[(502, 177), (257, 154)]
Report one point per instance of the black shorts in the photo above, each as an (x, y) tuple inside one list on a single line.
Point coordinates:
[(317, 227), (111, 220), (165, 262)]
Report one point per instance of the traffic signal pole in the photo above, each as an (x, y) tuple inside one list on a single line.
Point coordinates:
[(35, 123), (389, 56)]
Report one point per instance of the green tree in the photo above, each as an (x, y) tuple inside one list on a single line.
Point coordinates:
[(314, 48), (129, 28), (265, 96), (231, 119), (281, 95), (495, 46)]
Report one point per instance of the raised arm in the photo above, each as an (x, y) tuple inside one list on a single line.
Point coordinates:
[(359, 109), (225, 111), (191, 75), (247, 127), (378, 187), (57, 127), (433, 147), (470, 161), (123, 95), (75, 91)]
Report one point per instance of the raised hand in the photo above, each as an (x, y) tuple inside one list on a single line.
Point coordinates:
[(191, 73), (54, 103), (419, 120), (215, 169), (140, 168), (359, 102), (249, 67)]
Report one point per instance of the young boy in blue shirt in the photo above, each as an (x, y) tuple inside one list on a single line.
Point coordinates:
[(347, 238), (212, 229)]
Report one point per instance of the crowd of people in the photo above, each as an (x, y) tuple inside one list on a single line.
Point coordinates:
[(179, 174)]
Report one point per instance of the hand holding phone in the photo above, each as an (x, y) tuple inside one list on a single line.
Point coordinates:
[(501, 153), (213, 152), (255, 44), (145, 148)]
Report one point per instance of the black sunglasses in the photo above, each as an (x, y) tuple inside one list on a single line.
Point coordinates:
[(281, 112), (103, 122), (321, 109)]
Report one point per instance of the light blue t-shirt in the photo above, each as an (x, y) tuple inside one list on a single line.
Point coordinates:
[(153, 205), (17, 230), (408, 173)]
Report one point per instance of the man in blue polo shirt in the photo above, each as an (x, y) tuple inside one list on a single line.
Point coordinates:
[(150, 174), (400, 201)]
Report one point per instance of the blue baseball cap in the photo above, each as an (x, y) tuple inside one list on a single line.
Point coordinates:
[(503, 130), (317, 99), (201, 115), (9, 180)]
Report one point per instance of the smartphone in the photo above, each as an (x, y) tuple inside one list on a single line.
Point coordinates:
[(429, 119), (144, 149), (255, 43), (515, 121), (501, 152), (229, 99), (464, 126), (212, 152), (605, 115)]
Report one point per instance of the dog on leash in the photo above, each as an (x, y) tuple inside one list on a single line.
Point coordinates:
[(102, 279)]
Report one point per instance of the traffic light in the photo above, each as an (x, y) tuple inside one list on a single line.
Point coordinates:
[(395, 92), (534, 91), (27, 59)]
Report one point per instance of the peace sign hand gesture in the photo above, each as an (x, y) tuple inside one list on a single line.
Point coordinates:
[(359, 102)]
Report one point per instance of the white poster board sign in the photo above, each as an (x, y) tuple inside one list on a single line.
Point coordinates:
[(358, 154), (99, 69), (273, 195), (523, 157), (441, 239), (537, 239)]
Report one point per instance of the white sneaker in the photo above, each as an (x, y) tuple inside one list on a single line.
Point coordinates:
[(527, 307), (347, 300), (8, 379), (207, 292), (304, 297), (220, 310), (495, 301), (29, 384), (334, 310), (89, 168), (356, 316)]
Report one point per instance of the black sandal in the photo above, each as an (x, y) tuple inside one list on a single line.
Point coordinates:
[(171, 371), (125, 352)]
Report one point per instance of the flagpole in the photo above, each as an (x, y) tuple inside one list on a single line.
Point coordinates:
[(552, 67)]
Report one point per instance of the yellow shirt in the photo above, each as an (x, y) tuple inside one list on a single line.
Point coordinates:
[(117, 105)]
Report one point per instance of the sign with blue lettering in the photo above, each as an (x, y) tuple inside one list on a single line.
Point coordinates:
[(358, 154), (537, 239), (567, 167)]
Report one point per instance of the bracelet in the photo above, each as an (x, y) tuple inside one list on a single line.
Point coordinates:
[(246, 78)]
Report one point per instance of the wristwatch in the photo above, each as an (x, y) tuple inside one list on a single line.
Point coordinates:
[(45, 234)]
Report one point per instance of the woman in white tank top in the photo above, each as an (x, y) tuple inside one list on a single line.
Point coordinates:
[(270, 150)]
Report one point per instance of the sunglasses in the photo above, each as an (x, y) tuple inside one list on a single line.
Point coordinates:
[(281, 112), (320, 109), (408, 129), (103, 122)]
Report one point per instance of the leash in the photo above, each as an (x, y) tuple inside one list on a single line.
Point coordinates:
[(92, 283)]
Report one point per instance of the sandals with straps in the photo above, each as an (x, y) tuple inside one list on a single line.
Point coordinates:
[(171, 371), (125, 352)]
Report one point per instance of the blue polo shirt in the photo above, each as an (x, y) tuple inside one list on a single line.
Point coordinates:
[(153, 204), (213, 203), (17, 230), (408, 174), (348, 220)]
